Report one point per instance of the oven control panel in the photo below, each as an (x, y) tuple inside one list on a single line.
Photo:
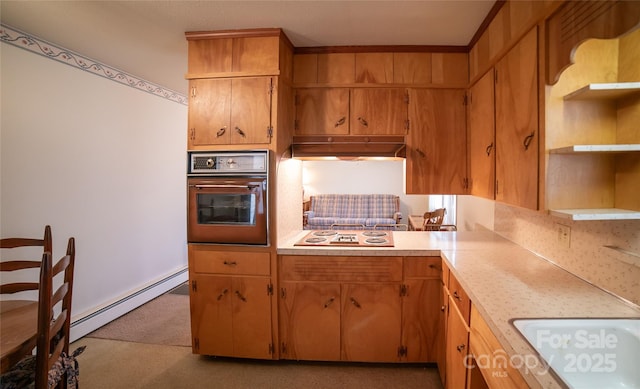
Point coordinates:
[(225, 163)]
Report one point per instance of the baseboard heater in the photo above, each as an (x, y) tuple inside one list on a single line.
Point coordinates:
[(91, 322)]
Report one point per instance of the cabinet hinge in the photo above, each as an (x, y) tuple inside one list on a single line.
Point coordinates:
[(403, 290), (283, 293), (196, 344), (194, 286), (271, 349), (270, 290), (406, 97), (407, 124), (271, 87), (193, 91), (283, 348), (402, 351), (270, 131)]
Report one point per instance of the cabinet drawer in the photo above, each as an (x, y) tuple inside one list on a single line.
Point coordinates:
[(422, 267), (230, 262), (460, 297), (485, 346), (355, 269)]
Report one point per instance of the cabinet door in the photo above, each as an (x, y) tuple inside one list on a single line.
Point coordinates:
[(421, 320), (378, 111), (251, 110), (310, 321), (371, 322), (211, 315), (517, 134), (442, 334), (482, 156), (436, 143), (322, 111), (209, 112), (457, 349), (251, 317)]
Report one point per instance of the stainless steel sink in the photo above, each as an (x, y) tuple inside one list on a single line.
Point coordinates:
[(587, 353)]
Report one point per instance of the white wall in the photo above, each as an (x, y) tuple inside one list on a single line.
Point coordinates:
[(475, 213), (96, 160)]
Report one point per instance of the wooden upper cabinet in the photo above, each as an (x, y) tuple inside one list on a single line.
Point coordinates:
[(378, 111), (229, 111), (336, 68), (481, 133), (249, 52), (209, 55), (305, 68), (450, 69), (412, 68), (322, 111), (255, 54), (374, 68), (436, 142), (209, 112), (517, 134)]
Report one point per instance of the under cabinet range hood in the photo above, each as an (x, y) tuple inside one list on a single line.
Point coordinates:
[(351, 147)]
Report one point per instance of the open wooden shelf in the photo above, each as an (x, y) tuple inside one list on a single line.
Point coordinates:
[(585, 149), (596, 214), (604, 91)]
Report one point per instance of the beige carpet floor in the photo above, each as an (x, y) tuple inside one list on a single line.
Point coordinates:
[(113, 364), (164, 320)]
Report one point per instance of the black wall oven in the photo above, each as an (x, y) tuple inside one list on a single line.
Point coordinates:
[(227, 197)]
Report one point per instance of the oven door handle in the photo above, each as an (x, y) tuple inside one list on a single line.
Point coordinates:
[(223, 186)]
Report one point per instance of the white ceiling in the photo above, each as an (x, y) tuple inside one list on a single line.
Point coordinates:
[(146, 38)]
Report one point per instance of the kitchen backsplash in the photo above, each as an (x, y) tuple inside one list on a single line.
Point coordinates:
[(615, 268)]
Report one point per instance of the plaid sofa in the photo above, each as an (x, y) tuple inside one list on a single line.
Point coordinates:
[(352, 211)]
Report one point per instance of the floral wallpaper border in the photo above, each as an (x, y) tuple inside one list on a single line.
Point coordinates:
[(38, 46)]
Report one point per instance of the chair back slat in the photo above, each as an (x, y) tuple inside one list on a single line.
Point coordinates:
[(16, 287), (18, 265)]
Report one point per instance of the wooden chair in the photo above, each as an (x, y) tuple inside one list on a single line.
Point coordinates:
[(433, 220), (15, 278), (52, 366), (53, 329)]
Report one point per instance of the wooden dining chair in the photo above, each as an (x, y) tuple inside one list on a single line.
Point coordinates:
[(51, 366), (54, 320), (433, 219), (16, 278)]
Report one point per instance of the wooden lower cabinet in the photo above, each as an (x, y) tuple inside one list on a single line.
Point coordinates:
[(310, 321), (357, 309), (231, 316), (371, 322), (231, 297), (491, 369), (457, 349)]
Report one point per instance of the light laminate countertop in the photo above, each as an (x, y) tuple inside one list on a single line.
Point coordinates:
[(503, 280)]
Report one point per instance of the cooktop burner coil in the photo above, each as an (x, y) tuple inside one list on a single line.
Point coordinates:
[(374, 233), (375, 240), (315, 240), (325, 233)]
